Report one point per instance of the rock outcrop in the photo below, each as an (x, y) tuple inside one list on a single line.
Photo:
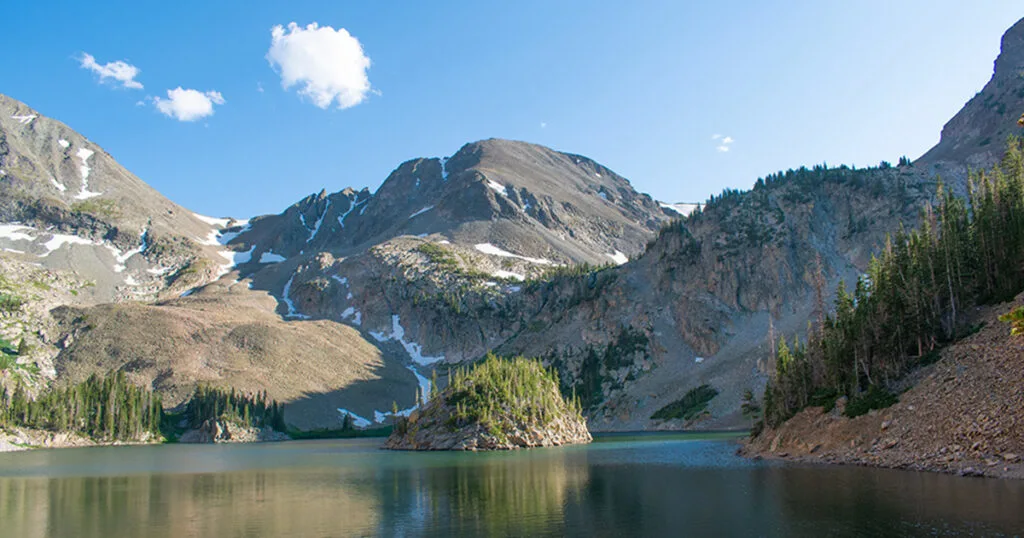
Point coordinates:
[(222, 431), (498, 405)]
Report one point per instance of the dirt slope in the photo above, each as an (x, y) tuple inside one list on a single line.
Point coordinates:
[(962, 417)]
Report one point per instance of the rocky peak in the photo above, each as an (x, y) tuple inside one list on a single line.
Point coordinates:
[(975, 137)]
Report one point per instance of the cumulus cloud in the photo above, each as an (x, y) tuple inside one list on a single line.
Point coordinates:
[(724, 142), (328, 65), (118, 72), (188, 105)]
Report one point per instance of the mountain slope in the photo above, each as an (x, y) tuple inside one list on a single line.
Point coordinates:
[(975, 137), (67, 204)]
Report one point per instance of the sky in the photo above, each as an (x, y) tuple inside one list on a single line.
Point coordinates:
[(235, 108)]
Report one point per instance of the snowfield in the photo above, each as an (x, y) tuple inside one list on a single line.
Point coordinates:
[(619, 258), (488, 248), (84, 169)]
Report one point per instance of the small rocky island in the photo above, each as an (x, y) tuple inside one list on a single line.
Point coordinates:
[(495, 405)]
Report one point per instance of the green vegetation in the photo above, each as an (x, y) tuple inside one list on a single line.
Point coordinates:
[(499, 393), (1015, 318), (104, 408), (255, 411), (439, 256), (913, 297), (597, 364), (97, 207), (9, 302), (693, 404)]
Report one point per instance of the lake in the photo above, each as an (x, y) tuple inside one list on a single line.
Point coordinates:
[(621, 485)]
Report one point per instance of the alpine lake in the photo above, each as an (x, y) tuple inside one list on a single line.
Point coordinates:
[(621, 485)]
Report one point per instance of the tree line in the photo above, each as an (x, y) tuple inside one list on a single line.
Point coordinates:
[(912, 299), (255, 410), (105, 408), (111, 408)]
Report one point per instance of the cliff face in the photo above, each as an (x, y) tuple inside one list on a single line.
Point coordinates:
[(975, 137)]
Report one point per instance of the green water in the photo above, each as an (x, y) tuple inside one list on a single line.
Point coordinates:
[(650, 485)]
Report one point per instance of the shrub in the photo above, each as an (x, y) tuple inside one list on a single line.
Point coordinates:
[(874, 398)]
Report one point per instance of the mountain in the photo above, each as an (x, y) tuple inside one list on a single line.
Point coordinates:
[(975, 137), (521, 197), (346, 302), (67, 204), (165, 308)]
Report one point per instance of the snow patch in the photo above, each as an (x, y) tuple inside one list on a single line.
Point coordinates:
[(682, 209), (444, 168), (488, 248), (292, 312), (319, 221), (24, 119), (698, 360), (357, 420), (84, 169), (270, 257), (414, 350), (357, 317), (603, 195), (60, 186), (120, 257), (59, 240), (496, 187), (619, 258), (212, 221), (13, 232), (444, 242), (130, 281), (64, 143), (351, 206), (509, 274), (420, 212), (425, 384)]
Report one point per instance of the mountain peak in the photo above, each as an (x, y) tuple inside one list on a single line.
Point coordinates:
[(975, 136)]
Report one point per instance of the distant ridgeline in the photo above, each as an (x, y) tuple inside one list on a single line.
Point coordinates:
[(912, 299), (111, 408)]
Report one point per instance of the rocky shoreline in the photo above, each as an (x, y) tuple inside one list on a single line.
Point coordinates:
[(20, 439), (222, 431), (962, 417), (559, 432)]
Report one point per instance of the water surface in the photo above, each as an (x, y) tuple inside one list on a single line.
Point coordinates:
[(647, 485)]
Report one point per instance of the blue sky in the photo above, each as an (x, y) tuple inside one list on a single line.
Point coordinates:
[(641, 87)]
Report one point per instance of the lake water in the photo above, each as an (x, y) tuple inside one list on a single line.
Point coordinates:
[(648, 485)]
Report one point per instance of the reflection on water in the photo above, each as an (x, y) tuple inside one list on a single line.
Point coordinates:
[(636, 486)]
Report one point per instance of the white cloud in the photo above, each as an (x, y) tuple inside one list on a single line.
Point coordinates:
[(543, 125), (259, 87), (329, 65), (188, 105), (119, 71), (724, 142)]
